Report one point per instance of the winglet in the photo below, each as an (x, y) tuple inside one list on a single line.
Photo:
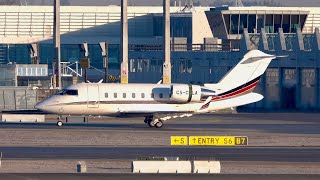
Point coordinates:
[(282, 56), (159, 82)]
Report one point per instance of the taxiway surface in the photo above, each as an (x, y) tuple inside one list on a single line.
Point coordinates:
[(287, 138), (278, 154)]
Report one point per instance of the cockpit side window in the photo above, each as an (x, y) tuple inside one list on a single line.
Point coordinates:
[(70, 92)]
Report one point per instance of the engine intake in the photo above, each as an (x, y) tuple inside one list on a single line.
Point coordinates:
[(184, 93)]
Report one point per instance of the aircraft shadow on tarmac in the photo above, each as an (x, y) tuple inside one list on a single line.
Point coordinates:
[(267, 128), (68, 125)]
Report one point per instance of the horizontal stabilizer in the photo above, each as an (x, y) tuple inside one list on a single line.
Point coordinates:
[(237, 101)]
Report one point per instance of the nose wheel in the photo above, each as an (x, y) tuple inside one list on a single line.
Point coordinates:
[(59, 123)]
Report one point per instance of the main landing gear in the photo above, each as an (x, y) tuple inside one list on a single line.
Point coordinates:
[(153, 122)]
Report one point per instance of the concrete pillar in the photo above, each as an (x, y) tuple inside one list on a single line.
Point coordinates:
[(298, 88), (280, 87), (299, 39), (85, 49), (282, 41), (263, 83), (263, 41), (124, 42), (166, 43), (104, 52), (316, 41), (245, 41), (56, 45), (317, 85), (8, 53), (316, 49), (34, 53)]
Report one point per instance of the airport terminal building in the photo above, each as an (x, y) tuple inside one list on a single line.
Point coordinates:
[(206, 42)]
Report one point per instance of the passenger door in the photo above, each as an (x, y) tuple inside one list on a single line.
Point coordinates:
[(93, 96)]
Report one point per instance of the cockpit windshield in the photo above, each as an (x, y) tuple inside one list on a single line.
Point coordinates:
[(67, 92)]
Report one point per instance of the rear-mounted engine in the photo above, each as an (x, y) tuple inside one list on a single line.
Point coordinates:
[(184, 93)]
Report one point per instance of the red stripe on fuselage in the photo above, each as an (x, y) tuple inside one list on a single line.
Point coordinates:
[(235, 93)]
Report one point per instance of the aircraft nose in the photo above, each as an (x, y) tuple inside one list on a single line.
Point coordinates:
[(39, 106)]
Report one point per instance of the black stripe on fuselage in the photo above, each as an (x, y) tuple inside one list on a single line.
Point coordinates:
[(240, 87)]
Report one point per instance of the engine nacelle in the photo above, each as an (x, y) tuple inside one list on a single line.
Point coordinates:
[(185, 93)]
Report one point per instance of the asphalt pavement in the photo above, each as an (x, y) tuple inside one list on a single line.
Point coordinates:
[(28, 176), (277, 154)]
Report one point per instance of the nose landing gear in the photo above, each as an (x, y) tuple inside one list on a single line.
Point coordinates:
[(59, 122)]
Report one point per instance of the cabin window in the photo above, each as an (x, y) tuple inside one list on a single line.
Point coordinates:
[(160, 95), (133, 95), (152, 95), (106, 95), (115, 95), (124, 95), (68, 92), (142, 95)]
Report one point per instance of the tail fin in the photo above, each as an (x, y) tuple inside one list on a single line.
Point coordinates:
[(246, 73)]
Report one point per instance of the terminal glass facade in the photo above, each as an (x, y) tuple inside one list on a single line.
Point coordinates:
[(180, 26), (269, 25), (19, 54), (243, 22), (252, 23), (10, 53), (235, 21)]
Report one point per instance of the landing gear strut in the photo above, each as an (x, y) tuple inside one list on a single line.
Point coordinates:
[(59, 123), (153, 122)]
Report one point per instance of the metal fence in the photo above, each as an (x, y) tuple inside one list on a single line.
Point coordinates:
[(225, 47), (22, 98)]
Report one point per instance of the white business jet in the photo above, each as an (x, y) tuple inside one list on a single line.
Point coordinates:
[(160, 102)]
